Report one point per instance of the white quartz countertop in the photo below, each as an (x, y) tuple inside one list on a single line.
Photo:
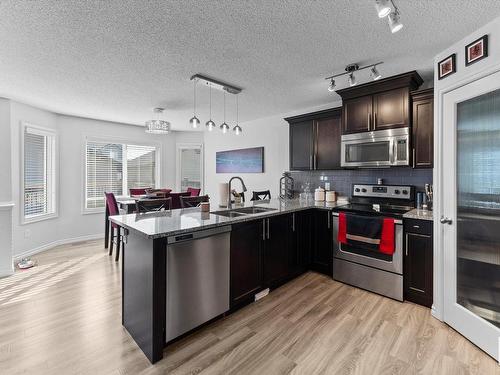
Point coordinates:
[(419, 214), (174, 222)]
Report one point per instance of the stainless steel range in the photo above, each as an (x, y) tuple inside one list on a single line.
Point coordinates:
[(372, 270)]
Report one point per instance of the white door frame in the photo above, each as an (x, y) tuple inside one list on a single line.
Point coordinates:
[(184, 146), (479, 331), (438, 178)]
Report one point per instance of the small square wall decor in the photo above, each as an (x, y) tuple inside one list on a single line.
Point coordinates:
[(477, 50), (447, 66)]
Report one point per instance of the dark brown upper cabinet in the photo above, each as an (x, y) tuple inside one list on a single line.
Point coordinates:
[(378, 105), (315, 140), (357, 114), (423, 128)]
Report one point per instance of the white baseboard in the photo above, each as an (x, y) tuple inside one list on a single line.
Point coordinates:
[(53, 244), (4, 272)]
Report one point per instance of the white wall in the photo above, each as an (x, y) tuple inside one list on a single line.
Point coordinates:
[(6, 204), (462, 76), (272, 134), (71, 223)]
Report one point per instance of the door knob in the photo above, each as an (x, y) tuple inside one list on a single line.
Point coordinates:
[(446, 220)]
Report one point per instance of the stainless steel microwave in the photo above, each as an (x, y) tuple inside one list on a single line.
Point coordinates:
[(381, 148)]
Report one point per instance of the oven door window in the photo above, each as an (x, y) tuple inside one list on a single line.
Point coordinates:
[(368, 152)]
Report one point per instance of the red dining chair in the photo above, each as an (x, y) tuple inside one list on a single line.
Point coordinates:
[(116, 238), (176, 201), (193, 191), (138, 191)]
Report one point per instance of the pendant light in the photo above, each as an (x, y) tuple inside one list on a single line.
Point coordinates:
[(224, 127), (157, 126), (194, 121), (237, 128), (210, 125)]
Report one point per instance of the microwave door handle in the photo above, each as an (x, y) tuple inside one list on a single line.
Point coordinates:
[(393, 151)]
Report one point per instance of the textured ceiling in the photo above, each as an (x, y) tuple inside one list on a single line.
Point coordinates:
[(115, 60)]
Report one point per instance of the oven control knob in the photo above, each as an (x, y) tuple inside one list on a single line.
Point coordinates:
[(405, 192), (396, 191), (363, 190), (356, 190)]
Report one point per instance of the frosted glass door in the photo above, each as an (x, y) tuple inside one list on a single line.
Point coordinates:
[(471, 202)]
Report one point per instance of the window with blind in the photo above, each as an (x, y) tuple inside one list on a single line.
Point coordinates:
[(115, 168), (39, 173)]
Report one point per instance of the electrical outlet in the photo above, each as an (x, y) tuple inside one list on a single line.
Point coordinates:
[(27, 233)]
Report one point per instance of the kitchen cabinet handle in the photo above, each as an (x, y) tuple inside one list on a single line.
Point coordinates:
[(264, 229), (315, 163), (374, 121), (268, 236), (310, 161), (406, 249), (329, 220), (369, 118), (413, 157)]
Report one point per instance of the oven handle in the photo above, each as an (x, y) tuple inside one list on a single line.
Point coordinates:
[(396, 221)]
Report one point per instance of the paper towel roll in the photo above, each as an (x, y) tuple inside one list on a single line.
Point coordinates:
[(223, 194)]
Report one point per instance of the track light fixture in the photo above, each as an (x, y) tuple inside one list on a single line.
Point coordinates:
[(383, 8), (394, 22), (375, 73), (349, 71), (387, 8), (331, 87)]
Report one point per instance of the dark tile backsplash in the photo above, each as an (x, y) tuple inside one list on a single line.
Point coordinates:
[(342, 180)]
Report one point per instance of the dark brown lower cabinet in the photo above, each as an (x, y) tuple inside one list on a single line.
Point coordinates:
[(322, 242), (418, 262), (299, 255), (278, 230), (246, 262)]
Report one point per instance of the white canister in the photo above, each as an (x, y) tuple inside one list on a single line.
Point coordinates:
[(331, 196), (319, 194), (223, 194)]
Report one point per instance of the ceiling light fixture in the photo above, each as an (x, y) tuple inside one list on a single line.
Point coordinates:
[(394, 22), (349, 71), (237, 128), (224, 127), (194, 121), (352, 80), (375, 73), (383, 8), (387, 8), (210, 125), (331, 87), (157, 126), (226, 88)]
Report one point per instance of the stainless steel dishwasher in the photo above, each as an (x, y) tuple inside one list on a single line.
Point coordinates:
[(197, 279)]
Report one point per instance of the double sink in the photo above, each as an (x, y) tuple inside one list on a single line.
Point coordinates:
[(238, 212)]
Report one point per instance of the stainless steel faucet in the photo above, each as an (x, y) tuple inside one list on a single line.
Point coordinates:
[(229, 188)]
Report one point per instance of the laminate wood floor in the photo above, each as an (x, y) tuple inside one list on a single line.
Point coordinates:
[(63, 317)]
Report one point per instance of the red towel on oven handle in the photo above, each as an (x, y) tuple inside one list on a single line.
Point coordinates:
[(342, 232), (387, 237)]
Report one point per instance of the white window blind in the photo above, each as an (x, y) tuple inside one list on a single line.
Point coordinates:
[(141, 166), (115, 168), (38, 173), (190, 168)]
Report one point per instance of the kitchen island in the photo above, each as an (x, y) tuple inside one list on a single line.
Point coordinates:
[(145, 260)]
